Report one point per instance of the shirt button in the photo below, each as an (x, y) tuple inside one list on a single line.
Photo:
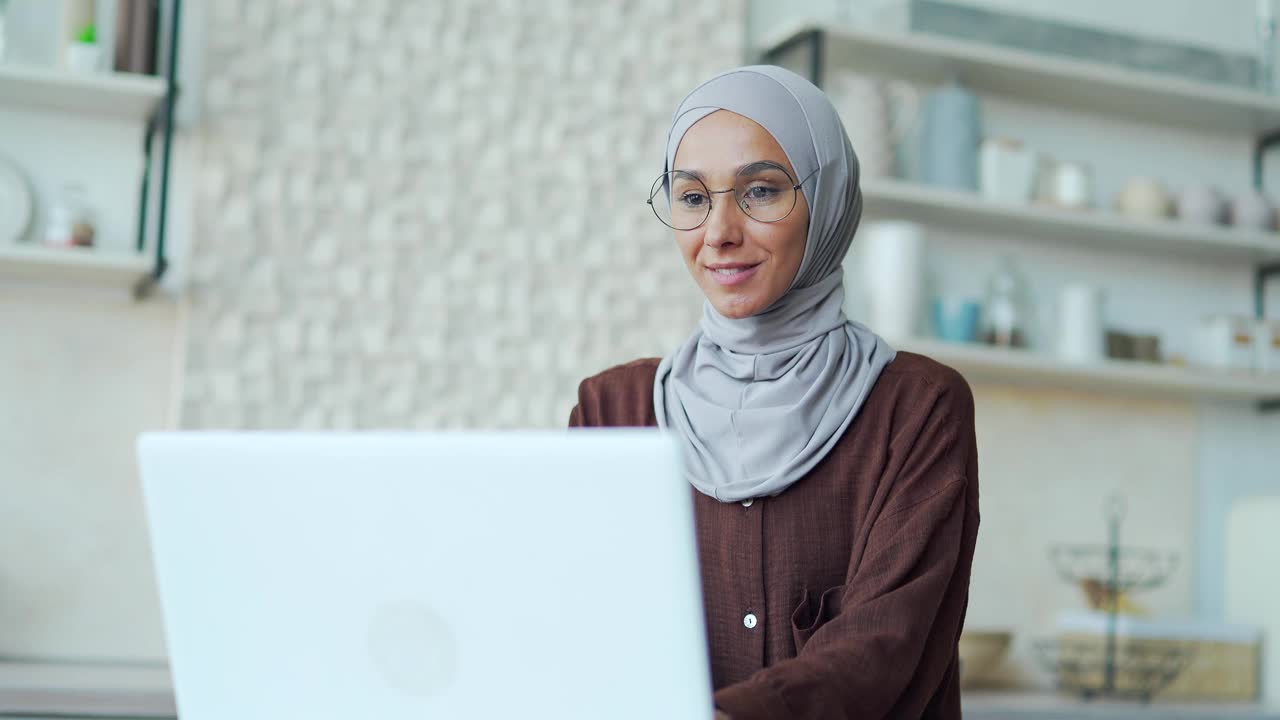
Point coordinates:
[(749, 621), (748, 502)]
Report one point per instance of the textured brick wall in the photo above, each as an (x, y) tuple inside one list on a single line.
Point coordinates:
[(430, 214)]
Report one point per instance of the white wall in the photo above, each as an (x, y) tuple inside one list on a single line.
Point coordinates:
[(81, 373)]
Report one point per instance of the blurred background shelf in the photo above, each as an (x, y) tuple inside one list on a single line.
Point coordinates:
[(980, 362), (1083, 85), (73, 266), (1098, 229), (121, 95)]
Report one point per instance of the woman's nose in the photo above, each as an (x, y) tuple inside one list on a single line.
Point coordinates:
[(724, 224)]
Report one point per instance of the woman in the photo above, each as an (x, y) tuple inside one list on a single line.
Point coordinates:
[(836, 480)]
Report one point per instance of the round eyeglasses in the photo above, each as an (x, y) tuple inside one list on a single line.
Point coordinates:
[(765, 191)]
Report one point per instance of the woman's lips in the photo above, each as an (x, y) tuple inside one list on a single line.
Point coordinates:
[(732, 274)]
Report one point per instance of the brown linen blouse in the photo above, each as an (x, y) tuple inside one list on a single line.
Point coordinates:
[(843, 596)]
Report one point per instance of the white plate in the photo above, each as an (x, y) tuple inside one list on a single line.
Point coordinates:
[(16, 203)]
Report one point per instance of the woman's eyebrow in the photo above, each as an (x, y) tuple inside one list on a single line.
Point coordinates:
[(698, 173)]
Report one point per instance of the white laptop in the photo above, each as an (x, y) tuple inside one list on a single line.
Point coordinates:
[(427, 575)]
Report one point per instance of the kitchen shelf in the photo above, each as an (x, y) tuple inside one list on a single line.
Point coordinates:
[(73, 266), (123, 95), (1097, 229), (1078, 84), (1022, 367)]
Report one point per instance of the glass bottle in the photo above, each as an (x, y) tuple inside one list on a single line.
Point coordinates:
[(71, 221), (1006, 315)]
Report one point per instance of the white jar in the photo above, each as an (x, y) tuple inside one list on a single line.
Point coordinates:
[(1065, 184), (1006, 170), (1200, 204), (1253, 211), (1143, 197), (1226, 342), (84, 57), (1080, 324)]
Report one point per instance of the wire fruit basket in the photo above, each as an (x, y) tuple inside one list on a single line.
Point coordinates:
[(1117, 667)]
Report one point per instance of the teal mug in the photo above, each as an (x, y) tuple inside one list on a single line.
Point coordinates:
[(956, 320)]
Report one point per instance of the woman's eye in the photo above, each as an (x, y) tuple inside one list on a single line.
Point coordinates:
[(693, 199), (761, 192)]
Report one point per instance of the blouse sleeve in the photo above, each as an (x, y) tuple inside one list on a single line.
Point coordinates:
[(587, 399), (894, 626)]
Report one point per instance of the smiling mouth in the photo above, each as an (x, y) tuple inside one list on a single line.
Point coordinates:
[(731, 274)]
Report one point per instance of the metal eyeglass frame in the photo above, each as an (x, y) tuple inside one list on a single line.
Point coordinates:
[(794, 188)]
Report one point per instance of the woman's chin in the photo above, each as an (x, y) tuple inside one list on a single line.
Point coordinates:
[(736, 307)]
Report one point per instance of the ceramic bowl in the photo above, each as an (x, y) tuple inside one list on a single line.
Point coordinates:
[(981, 653)]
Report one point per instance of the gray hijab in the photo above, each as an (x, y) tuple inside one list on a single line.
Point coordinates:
[(757, 402)]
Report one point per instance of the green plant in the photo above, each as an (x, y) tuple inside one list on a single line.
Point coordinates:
[(88, 34)]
